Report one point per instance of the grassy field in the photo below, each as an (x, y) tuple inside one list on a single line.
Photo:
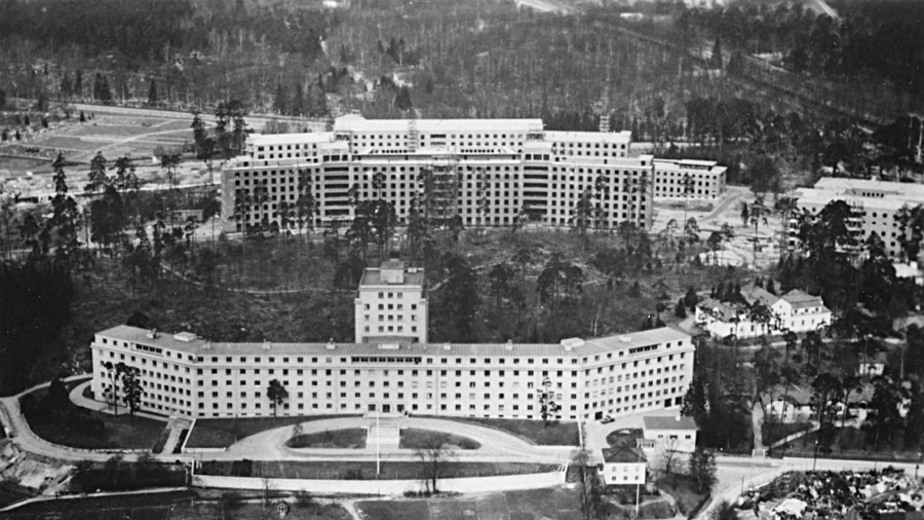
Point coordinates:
[(774, 431), (347, 438), (220, 433), (355, 470), (533, 432), (18, 166), (851, 443), (412, 439), (175, 506), (120, 432), (557, 503), (152, 506)]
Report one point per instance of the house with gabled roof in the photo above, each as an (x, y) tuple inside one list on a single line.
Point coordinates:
[(795, 311), (624, 465)]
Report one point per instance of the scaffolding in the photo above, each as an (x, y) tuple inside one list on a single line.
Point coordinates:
[(413, 136), (438, 191)]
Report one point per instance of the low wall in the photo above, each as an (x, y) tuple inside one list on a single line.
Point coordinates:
[(386, 487)]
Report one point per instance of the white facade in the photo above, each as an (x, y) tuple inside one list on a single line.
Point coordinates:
[(876, 205), (391, 305), (795, 311), (671, 433), (189, 376), (688, 178), (624, 466), (497, 172)]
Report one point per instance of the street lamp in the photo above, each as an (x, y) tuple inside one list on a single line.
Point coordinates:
[(815, 455)]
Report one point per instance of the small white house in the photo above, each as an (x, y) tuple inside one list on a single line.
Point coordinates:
[(671, 432), (624, 465), (910, 271)]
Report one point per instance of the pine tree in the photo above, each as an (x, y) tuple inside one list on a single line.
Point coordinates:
[(78, 84), (297, 107), (152, 93), (280, 103)]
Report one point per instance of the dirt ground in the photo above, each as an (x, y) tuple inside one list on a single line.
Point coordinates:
[(726, 210)]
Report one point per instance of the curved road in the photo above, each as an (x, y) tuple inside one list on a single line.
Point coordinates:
[(496, 445), (734, 474)]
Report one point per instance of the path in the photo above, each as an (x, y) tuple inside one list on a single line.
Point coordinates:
[(734, 193)]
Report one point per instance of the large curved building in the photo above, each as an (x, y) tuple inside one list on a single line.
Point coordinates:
[(392, 369)]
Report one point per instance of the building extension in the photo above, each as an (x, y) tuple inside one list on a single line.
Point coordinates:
[(876, 207), (488, 172)]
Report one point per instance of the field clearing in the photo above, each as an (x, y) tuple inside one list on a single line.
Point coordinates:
[(558, 503), (18, 165), (114, 130), (62, 142)]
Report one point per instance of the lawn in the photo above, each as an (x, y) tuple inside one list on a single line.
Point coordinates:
[(153, 506), (363, 470), (11, 493), (537, 504), (533, 432), (681, 487), (183, 505), (850, 443), (774, 431), (221, 433), (412, 439), (346, 438), (119, 432)]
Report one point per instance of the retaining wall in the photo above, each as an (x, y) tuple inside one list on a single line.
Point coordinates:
[(387, 487)]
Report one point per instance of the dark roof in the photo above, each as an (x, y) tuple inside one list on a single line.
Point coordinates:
[(623, 454), (758, 294), (799, 299), (669, 422), (718, 310)]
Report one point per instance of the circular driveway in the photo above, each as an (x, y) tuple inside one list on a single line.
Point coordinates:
[(496, 445)]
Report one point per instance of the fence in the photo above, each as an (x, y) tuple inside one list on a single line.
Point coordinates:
[(385, 487)]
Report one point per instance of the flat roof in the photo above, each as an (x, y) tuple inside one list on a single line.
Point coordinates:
[(201, 346), (623, 137), (373, 276), (813, 197), (306, 137), (845, 183), (357, 123), (669, 422)]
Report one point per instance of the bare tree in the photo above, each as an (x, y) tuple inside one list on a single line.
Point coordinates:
[(669, 456), (433, 455)]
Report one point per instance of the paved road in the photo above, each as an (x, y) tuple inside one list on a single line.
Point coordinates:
[(735, 474), (495, 445)]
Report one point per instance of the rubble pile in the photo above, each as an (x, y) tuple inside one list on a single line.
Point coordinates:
[(24, 471), (888, 494)]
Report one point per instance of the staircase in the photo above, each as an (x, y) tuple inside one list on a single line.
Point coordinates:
[(384, 431)]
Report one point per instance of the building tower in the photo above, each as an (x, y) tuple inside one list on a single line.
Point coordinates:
[(391, 305)]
